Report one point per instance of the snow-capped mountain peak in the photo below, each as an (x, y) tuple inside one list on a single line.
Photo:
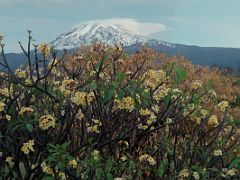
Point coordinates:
[(94, 31)]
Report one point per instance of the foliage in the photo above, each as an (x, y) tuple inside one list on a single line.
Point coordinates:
[(101, 114)]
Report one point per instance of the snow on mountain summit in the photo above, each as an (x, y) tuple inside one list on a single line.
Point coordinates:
[(94, 31)]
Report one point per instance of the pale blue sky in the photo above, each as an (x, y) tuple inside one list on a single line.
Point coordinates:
[(193, 22)]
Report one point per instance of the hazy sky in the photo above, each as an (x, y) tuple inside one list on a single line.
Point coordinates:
[(193, 22)]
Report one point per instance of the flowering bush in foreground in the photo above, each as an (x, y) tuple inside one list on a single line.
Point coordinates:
[(101, 114)]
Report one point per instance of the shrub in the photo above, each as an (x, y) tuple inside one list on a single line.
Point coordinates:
[(102, 114)]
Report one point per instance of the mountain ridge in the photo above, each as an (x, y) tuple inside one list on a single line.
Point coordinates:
[(87, 33)]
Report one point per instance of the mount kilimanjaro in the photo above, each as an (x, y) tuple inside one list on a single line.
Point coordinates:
[(90, 32)]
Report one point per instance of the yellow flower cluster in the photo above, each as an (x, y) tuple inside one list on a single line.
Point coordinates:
[(217, 152), (80, 114), (223, 105), (145, 112), (44, 48), (8, 117), (83, 98), (196, 175), (212, 93), (156, 108), (145, 158), (96, 154), (47, 169), (2, 106), (127, 103), (5, 92), (160, 93), (73, 163), (45, 122), (213, 120), (183, 173), (190, 108), (8, 159), (124, 158), (124, 143), (153, 78), (62, 176), (95, 127), (175, 93), (27, 147), (25, 110), (231, 172), (67, 86), (22, 74), (197, 85)]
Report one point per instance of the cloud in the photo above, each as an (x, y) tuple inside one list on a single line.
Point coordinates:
[(133, 25)]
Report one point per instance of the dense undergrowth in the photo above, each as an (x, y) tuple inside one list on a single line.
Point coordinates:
[(102, 114)]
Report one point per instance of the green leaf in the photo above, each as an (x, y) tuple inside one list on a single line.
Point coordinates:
[(120, 77), (92, 85), (29, 127), (145, 97), (99, 173), (109, 176), (161, 169), (109, 93), (235, 163), (120, 93), (180, 74)]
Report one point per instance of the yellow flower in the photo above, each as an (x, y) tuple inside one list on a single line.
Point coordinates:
[(169, 120), (196, 175), (62, 176), (212, 93), (95, 154), (8, 159), (213, 120), (22, 74), (45, 122), (223, 105), (73, 163), (47, 169), (161, 93), (231, 172), (124, 158), (44, 48), (8, 117), (144, 112), (125, 143), (69, 84), (184, 173), (147, 158), (217, 152), (197, 85), (80, 98), (127, 103), (5, 92), (204, 113), (27, 147), (25, 110), (153, 78), (2, 106)]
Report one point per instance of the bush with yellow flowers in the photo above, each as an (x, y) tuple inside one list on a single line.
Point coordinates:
[(99, 113)]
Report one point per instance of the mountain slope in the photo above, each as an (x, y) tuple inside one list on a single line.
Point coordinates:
[(90, 32)]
